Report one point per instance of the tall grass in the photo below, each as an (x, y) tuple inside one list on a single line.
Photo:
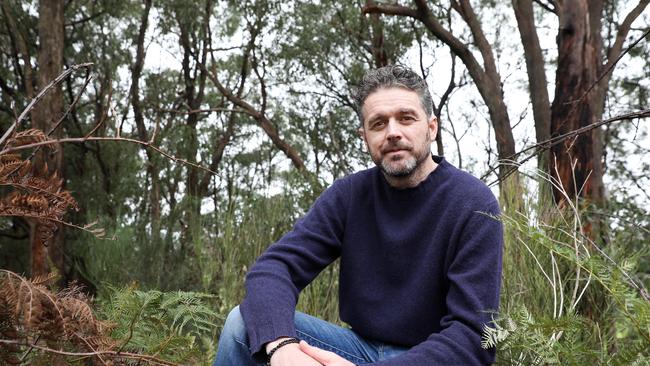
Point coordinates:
[(569, 298)]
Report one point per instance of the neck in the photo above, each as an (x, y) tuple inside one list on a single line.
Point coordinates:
[(416, 177)]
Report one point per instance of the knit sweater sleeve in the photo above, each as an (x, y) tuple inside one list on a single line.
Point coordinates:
[(275, 280), (474, 276)]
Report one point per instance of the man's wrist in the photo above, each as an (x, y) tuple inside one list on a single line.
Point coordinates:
[(278, 345), (269, 346)]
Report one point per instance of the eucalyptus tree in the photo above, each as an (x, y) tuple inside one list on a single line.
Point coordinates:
[(39, 40), (583, 71)]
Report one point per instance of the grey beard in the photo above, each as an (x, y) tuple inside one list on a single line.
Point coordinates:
[(400, 172)]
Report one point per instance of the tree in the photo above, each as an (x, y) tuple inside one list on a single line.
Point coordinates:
[(46, 117), (582, 76)]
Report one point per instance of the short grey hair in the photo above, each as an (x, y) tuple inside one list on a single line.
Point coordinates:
[(392, 76)]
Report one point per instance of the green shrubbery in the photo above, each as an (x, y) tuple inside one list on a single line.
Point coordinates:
[(566, 299)]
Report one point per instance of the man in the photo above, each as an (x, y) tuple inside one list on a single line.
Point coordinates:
[(420, 254)]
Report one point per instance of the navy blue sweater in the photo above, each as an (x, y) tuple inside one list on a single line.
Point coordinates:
[(420, 267)]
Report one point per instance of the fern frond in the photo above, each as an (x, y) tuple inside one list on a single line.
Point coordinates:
[(27, 137), (32, 314), (169, 324)]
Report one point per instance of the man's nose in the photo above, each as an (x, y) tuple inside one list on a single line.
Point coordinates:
[(393, 130)]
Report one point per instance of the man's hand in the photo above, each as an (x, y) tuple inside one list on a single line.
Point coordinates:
[(324, 357), (290, 355)]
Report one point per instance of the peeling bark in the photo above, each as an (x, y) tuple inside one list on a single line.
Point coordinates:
[(573, 162)]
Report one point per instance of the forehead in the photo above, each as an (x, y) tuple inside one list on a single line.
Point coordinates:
[(391, 100)]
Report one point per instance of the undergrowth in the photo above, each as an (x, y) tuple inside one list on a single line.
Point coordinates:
[(569, 298)]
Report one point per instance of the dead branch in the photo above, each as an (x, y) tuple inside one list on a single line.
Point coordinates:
[(40, 96), (512, 163), (610, 66), (146, 144), (115, 354)]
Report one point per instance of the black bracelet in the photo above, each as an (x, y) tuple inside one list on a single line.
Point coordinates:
[(280, 345)]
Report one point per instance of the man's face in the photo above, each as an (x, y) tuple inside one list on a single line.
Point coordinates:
[(396, 130)]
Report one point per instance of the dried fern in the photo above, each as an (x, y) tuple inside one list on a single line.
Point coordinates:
[(34, 193), (38, 326), (27, 137), (33, 315)]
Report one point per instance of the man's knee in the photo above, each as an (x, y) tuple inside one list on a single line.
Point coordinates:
[(234, 326)]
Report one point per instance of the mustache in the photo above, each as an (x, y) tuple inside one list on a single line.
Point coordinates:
[(398, 145)]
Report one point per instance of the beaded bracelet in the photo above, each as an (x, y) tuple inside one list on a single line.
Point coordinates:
[(280, 345)]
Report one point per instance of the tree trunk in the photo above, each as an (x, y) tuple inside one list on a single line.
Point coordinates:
[(377, 39), (577, 163), (45, 115), (136, 73)]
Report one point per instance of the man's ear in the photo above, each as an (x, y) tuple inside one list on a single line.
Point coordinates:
[(433, 127), (362, 133)]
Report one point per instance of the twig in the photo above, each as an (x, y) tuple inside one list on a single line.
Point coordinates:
[(547, 144), (133, 356), (40, 96), (30, 349), (58, 123), (116, 138), (609, 69), (207, 110), (89, 78), (96, 233)]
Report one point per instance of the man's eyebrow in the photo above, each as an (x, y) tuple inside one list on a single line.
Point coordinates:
[(375, 117), (407, 111)]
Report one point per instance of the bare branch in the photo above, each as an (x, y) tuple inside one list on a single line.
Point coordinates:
[(623, 30), (148, 145), (89, 78), (206, 110), (545, 145), (85, 19), (262, 120), (390, 9), (551, 8), (132, 356), (40, 96), (612, 64)]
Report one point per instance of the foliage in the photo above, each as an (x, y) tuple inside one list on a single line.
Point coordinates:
[(175, 326), (37, 195), (295, 62), (32, 316), (40, 327), (565, 300)]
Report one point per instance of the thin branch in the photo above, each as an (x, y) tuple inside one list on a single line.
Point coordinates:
[(98, 233), (85, 19), (547, 144), (224, 48), (390, 9), (206, 110), (40, 96), (547, 7), (610, 66), (89, 78), (133, 356), (624, 29), (266, 124), (108, 138)]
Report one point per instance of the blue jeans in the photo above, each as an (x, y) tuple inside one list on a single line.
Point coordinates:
[(233, 343)]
